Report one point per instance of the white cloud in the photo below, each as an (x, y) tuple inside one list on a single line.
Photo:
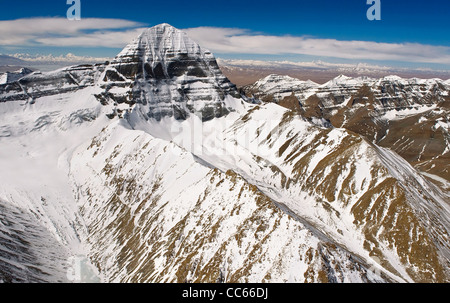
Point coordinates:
[(68, 58), (95, 39), (225, 40), (96, 32), (116, 33)]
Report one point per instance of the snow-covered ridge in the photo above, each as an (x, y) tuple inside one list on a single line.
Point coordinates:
[(209, 217), (390, 93), (281, 82), (343, 80), (281, 86), (275, 80), (14, 76), (395, 112)]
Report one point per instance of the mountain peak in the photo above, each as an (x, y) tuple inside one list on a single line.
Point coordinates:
[(172, 75), (160, 41), (163, 30), (164, 25)]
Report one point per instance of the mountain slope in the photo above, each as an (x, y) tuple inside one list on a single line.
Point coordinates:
[(409, 116), (210, 227)]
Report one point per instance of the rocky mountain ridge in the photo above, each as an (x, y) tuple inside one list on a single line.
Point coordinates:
[(409, 116)]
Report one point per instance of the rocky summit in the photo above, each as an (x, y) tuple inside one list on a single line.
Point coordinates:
[(153, 168), (170, 75)]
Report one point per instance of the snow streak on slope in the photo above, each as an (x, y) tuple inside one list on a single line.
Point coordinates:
[(334, 180), (209, 227)]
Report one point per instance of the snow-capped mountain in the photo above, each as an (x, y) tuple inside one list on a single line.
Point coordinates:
[(169, 75), (410, 116), (152, 168)]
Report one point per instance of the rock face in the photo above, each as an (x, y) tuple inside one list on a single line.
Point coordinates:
[(409, 116), (171, 76), (151, 169), (37, 84)]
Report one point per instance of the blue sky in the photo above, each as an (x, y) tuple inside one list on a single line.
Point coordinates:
[(419, 25)]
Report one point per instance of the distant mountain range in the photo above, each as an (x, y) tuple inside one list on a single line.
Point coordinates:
[(244, 72), (43, 62), (240, 72), (6, 61)]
